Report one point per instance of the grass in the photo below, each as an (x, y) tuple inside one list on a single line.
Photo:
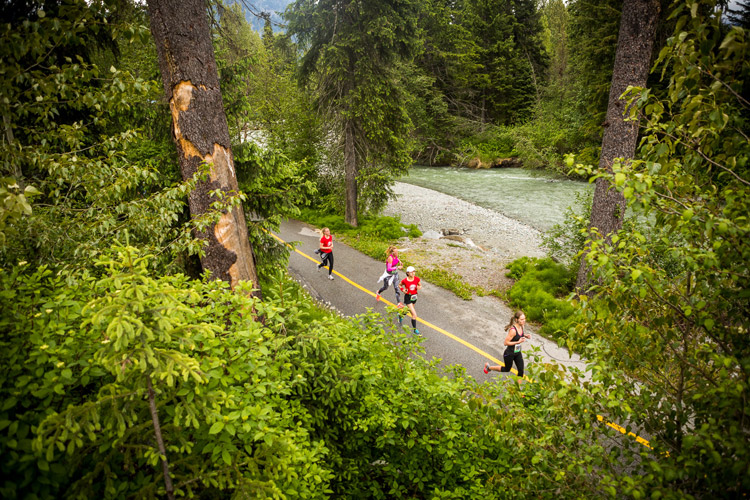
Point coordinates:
[(450, 281), (540, 290)]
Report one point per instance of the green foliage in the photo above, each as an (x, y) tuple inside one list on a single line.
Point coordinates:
[(73, 130), (261, 97), (509, 55), (496, 81), (385, 228), (352, 52), (238, 49), (488, 146), (102, 344), (15, 205), (593, 34), (300, 405), (564, 242), (539, 285), (670, 313), (441, 101), (277, 187)]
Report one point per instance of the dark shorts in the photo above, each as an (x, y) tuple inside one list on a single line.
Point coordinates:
[(410, 299)]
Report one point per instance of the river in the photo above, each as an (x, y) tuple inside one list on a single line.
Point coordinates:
[(535, 197)]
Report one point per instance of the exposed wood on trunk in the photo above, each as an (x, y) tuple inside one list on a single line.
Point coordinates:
[(199, 125), (632, 60)]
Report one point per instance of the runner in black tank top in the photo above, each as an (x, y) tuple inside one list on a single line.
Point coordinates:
[(515, 337)]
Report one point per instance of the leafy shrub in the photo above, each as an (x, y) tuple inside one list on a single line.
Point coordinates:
[(564, 241), (539, 283), (382, 227), (302, 404), (82, 389), (518, 267), (496, 143)]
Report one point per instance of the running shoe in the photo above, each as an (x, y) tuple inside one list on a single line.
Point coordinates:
[(319, 266), (330, 277), (416, 331), (486, 368), (377, 297), (401, 320)]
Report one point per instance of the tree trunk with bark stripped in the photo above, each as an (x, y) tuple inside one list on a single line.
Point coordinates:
[(635, 43), (199, 125)]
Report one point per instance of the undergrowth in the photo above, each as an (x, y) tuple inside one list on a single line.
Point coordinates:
[(540, 290)]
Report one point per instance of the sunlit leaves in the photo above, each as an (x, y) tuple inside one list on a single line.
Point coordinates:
[(671, 304)]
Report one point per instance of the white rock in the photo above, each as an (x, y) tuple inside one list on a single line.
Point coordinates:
[(431, 234)]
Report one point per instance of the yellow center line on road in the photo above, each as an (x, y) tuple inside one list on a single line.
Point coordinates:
[(461, 341), (385, 301)]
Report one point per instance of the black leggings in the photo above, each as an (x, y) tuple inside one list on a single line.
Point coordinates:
[(510, 358), (327, 257), (392, 279)]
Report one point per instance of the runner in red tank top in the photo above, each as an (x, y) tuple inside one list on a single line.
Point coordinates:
[(411, 286), (326, 251)]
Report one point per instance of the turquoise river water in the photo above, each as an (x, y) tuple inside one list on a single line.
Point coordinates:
[(535, 197)]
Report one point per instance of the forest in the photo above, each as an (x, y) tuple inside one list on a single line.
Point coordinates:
[(152, 344)]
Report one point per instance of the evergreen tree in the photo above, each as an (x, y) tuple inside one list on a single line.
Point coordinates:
[(593, 39), (557, 20), (506, 81), (443, 105), (353, 48)]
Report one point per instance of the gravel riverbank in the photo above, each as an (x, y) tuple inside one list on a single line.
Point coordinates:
[(486, 243)]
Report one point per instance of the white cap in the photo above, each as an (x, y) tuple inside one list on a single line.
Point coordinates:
[(410, 269)]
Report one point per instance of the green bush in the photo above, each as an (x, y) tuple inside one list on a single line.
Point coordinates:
[(262, 399), (563, 242), (381, 227), (496, 143), (539, 285)]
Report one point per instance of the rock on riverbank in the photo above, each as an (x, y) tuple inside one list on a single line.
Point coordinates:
[(487, 240)]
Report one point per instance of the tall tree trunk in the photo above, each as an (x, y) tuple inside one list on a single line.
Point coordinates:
[(199, 125), (634, 46), (350, 171)]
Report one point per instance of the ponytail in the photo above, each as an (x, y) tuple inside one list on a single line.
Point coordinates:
[(514, 319)]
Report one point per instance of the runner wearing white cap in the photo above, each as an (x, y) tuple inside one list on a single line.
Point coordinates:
[(411, 286)]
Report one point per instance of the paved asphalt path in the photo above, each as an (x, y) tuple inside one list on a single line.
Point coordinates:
[(467, 333)]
